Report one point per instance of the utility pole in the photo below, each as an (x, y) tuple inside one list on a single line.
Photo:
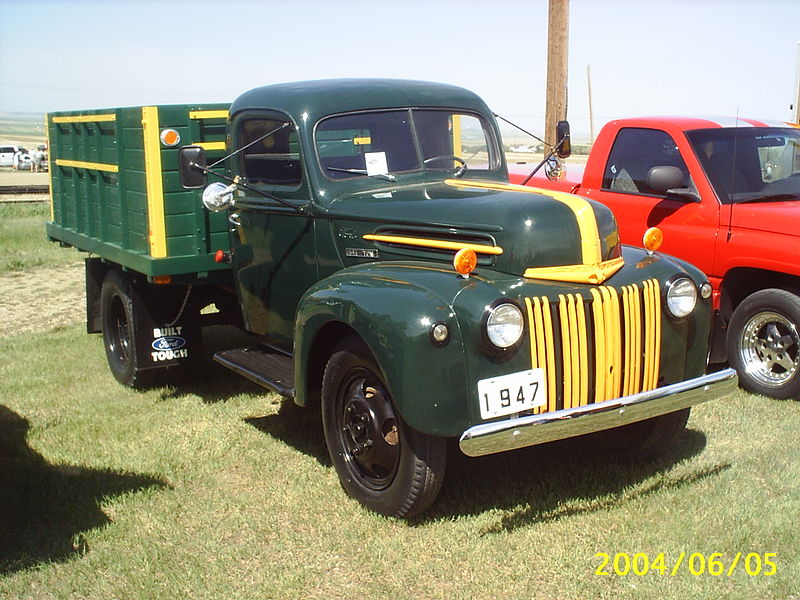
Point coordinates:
[(557, 56), (591, 115), (796, 104)]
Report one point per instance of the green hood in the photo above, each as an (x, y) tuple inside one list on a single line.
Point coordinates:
[(533, 229)]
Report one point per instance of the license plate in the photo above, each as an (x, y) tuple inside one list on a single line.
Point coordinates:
[(512, 393)]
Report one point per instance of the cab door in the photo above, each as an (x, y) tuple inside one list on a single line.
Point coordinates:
[(690, 228), (273, 252)]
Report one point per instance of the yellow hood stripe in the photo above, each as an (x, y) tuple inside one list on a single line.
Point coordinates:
[(429, 243), (591, 248)]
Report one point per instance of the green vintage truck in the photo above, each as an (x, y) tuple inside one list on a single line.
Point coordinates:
[(364, 233)]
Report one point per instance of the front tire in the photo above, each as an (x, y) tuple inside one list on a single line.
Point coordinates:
[(382, 462), (763, 343)]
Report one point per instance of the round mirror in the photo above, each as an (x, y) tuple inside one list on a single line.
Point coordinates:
[(217, 196), (553, 169)]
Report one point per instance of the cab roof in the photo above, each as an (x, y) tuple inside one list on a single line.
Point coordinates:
[(312, 100)]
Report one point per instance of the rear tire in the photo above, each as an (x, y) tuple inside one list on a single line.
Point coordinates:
[(645, 439), (382, 462), (120, 334)]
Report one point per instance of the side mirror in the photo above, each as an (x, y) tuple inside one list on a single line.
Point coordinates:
[(189, 159), (668, 180), (563, 139)]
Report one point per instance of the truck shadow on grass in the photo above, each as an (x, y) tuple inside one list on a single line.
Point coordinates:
[(559, 480), (45, 507), (298, 427), (533, 485), (207, 379)]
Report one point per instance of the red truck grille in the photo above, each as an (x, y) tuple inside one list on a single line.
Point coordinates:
[(598, 348)]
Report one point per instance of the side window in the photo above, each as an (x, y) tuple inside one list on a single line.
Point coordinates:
[(634, 153), (271, 155)]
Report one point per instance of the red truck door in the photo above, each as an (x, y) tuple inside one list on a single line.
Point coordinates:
[(690, 227)]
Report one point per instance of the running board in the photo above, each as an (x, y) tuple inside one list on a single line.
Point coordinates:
[(267, 368)]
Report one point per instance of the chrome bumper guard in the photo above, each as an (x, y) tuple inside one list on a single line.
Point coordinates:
[(511, 434)]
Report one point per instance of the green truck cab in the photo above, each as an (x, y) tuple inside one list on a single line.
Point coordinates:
[(365, 233)]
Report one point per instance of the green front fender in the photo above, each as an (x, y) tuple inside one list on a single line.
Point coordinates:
[(391, 308)]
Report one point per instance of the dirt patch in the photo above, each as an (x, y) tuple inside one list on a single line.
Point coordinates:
[(42, 298)]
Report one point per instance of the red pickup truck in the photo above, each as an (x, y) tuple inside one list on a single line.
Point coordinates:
[(726, 195)]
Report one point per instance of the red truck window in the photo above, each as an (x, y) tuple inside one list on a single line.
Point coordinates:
[(634, 153), (747, 164)]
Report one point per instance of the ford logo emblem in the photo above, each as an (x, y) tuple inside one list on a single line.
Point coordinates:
[(168, 342)]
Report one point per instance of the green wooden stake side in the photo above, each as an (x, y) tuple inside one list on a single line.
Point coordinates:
[(116, 191)]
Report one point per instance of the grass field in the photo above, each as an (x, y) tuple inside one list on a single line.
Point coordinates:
[(214, 489)]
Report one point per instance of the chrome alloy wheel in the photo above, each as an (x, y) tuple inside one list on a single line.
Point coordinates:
[(770, 348)]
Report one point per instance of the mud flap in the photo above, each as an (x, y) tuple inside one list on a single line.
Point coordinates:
[(167, 324)]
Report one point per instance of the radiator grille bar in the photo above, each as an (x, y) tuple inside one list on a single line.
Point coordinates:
[(597, 348)]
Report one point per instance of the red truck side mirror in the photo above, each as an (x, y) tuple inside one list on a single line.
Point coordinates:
[(668, 180)]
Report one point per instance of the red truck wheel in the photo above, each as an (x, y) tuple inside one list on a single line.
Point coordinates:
[(120, 333), (764, 344), (381, 462)]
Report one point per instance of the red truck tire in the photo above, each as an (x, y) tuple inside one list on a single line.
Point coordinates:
[(763, 343)]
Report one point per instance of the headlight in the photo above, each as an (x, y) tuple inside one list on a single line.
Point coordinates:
[(504, 325), (217, 196), (681, 297)]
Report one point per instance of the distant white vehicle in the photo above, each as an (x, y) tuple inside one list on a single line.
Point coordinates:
[(7, 157)]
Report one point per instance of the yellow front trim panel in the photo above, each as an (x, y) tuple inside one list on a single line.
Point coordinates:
[(592, 274), (154, 183), (86, 118), (598, 348), (438, 244), (80, 164)]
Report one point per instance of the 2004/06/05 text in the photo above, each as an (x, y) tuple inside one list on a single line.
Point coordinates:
[(696, 563)]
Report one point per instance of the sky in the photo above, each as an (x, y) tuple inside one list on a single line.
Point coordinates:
[(698, 57)]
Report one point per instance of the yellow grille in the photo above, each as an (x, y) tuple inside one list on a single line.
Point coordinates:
[(598, 348)]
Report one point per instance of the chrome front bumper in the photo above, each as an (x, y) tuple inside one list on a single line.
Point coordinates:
[(500, 436)]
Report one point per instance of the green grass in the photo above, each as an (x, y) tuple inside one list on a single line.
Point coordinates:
[(23, 240), (214, 489), (211, 488)]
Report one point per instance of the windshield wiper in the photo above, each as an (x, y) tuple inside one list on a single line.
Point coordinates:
[(385, 176), (768, 198)]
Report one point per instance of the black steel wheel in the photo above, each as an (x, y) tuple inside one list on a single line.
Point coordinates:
[(119, 331), (644, 439), (381, 461), (764, 344)]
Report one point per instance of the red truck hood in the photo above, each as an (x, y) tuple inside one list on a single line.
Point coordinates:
[(774, 217)]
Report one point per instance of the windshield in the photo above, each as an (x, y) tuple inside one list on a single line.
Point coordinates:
[(383, 143), (750, 164)]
